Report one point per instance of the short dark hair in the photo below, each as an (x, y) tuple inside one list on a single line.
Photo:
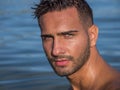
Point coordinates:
[(82, 7)]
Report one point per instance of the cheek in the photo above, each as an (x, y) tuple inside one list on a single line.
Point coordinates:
[(77, 46)]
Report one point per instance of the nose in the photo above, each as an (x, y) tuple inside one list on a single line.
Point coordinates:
[(57, 48)]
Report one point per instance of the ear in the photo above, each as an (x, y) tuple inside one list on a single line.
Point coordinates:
[(93, 35)]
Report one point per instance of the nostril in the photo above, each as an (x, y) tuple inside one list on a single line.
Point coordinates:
[(57, 47), (57, 50)]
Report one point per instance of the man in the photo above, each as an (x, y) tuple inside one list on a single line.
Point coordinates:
[(69, 38)]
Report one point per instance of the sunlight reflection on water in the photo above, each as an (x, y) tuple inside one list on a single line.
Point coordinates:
[(22, 60)]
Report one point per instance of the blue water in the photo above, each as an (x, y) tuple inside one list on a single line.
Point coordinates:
[(23, 65)]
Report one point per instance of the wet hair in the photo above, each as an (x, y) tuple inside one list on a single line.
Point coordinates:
[(84, 10)]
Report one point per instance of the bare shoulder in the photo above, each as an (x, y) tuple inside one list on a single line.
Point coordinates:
[(113, 84)]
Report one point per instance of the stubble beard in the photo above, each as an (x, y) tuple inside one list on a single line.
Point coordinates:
[(77, 64)]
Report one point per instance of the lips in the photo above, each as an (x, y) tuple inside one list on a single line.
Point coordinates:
[(61, 62)]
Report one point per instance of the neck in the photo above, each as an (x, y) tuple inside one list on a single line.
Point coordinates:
[(87, 77)]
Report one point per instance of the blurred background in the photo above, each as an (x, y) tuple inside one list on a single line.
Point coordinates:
[(23, 65)]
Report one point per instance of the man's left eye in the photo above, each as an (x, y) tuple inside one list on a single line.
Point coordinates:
[(68, 35)]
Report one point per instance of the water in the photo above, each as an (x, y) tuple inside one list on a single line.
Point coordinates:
[(23, 65)]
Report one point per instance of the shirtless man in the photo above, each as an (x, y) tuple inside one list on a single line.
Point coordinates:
[(69, 38)]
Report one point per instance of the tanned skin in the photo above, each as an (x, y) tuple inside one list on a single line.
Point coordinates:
[(71, 51)]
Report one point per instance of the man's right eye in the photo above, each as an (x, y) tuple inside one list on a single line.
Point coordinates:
[(46, 38)]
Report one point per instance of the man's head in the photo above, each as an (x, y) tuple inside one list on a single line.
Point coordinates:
[(67, 33)]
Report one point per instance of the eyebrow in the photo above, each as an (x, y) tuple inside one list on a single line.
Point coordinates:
[(67, 32), (46, 35), (60, 33)]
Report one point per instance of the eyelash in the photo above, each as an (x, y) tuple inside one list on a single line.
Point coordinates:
[(69, 35), (65, 35), (46, 38)]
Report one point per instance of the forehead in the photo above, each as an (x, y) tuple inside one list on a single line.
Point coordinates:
[(60, 20), (70, 12)]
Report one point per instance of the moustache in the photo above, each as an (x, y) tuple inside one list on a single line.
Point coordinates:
[(61, 57)]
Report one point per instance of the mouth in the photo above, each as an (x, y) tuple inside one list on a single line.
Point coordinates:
[(61, 62)]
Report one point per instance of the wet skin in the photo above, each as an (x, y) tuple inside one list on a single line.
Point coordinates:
[(65, 41), (71, 51)]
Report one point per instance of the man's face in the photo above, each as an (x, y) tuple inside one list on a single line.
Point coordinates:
[(65, 41)]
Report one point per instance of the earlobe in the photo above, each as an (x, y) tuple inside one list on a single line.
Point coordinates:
[(93, 35)]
